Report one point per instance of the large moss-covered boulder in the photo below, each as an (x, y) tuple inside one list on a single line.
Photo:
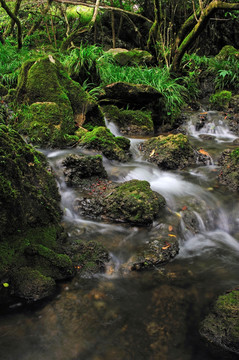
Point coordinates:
[(102, 140), (229, 172), (77, 168), (221, 327), (56, 105), (169, 152), (30, 215), (130, 122), (220, 100), (133, 202)]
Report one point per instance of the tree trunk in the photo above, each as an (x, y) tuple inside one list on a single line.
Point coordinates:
[(198, 28), (16, 20), (11, 25), (154, 31)]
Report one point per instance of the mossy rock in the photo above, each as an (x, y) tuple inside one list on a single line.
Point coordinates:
[(221, 100), (31, 285), (169, 152), (3, 90), (102, 140), (221, 327), (30, 215), (133, 202), (228, 51), (78, 167), (53, 100), (130, 122), (133, 57), (229, 171)]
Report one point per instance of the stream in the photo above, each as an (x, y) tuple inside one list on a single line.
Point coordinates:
[(127, 315)]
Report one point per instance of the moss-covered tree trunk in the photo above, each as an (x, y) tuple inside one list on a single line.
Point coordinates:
[(185, 39), (16, 20), (154, 31)]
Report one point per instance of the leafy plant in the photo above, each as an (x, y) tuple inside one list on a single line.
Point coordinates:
[(226, 72)]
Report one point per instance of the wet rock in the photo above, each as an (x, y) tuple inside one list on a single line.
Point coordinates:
[(228, 51), (102, 140), (221, 327), (78, 167), (169, 152), (57, 104), (201, 122), (130, 122), (229, 172), (131, 202), (163, 246), (87, 257)]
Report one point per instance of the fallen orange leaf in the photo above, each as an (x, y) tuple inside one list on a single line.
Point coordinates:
[(172, 235), (203, 152), (166, 247), (170, 228), (184, 208)]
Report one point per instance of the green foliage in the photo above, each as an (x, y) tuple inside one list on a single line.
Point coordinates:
[(80, 63), (226, 72), (221, 99)]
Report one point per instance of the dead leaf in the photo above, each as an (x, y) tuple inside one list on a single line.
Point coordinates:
[(166, 247), (172, 235), (170, 228), (203, 152), (184, 208), (152, 152)]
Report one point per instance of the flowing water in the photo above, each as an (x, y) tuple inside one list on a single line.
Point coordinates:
[(147, 315)]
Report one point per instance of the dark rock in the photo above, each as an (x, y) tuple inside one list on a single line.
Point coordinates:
[(125, 93), (78, 167), (3, 90), (169, 152), (221, 327)]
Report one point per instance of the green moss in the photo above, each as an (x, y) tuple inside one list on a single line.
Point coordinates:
[(84, 13), (103, 140), (228, 51), (234, 155), (221, 99)]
